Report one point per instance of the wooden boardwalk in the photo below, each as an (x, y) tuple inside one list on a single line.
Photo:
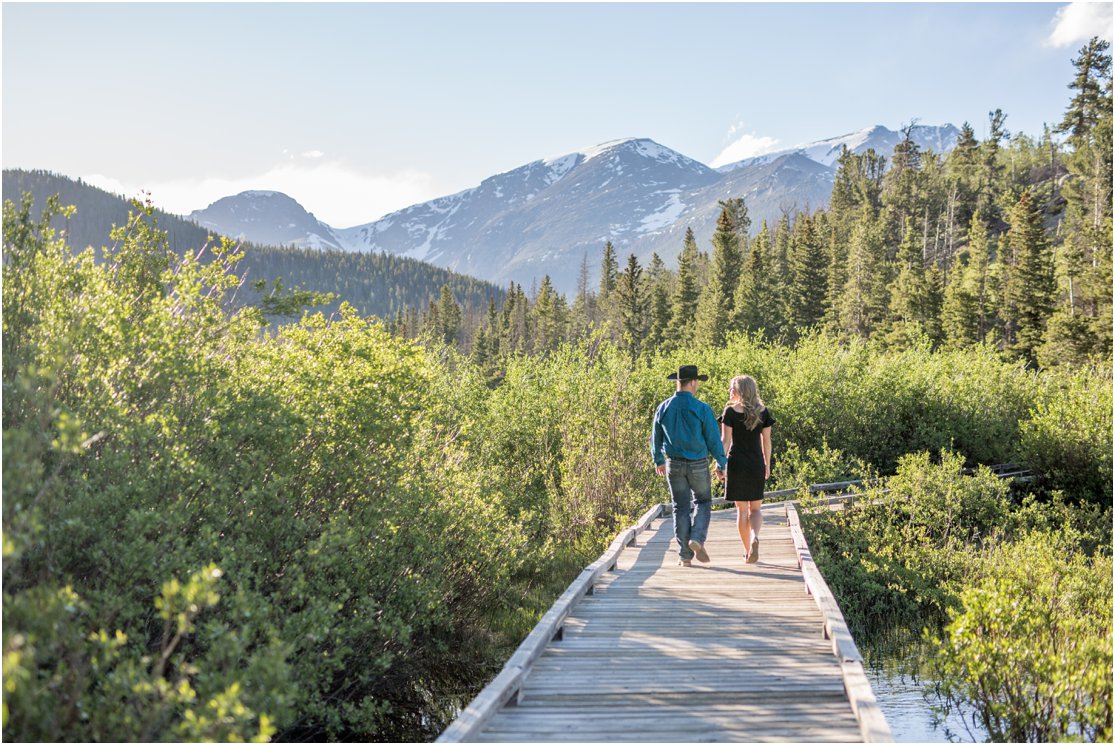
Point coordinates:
[(640, 649)]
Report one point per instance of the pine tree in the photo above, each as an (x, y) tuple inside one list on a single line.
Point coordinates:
[(909, 298), (659, 291), (633, 304), (607, 313), (739, 221), (683, 306), (780, 280), (962, 169), (991, 169), (609, 272), (863, 301), (1091, 101), (933, 303), (904, 185), (808, 269), (753, 300), (549, 318), (447, 321), (715, 308), (960, 311), (1030, 284), (583, 314), (837, 249)]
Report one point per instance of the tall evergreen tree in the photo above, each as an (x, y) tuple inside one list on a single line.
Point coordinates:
[(1030, 284), (837, 248), (659, 292), (808, 270), (739, 219), (583, 313), (606, 310), (549, 318), (753, 299), (962, 170), (633, 305), (863, 301), (969, 303), (960, 313), (1091, 102), (991, 169), (448, 317), (609, 272), (911, 300), (683, 306), (715, 309)]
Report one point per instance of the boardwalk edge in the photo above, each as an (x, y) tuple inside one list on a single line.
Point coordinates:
[(873, 725)]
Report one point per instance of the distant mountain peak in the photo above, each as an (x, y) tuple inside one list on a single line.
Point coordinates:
[(878, 137), (267, 217)]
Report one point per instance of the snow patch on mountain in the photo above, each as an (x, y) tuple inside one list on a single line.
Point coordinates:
[(667, 215)]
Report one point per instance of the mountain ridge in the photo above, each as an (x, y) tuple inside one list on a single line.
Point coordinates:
[(542, 218)]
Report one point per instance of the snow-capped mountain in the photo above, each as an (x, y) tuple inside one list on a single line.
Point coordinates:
[(539, 219), (266, 217), (879, 138), (544, 217)]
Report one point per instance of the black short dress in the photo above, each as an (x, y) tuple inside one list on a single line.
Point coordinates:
[(747, 473)]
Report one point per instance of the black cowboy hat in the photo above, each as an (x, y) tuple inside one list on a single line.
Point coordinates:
[(686, 372)]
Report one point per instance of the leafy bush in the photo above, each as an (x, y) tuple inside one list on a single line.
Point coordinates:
[(896, 558), (1028, 658), (1067, 435), (148, 432)]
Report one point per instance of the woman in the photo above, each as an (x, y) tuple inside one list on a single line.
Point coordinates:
[(745, 430)]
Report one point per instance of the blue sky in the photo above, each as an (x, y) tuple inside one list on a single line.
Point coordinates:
[(359, 109)]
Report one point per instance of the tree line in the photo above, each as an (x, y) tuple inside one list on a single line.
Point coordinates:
[(1004, 241)]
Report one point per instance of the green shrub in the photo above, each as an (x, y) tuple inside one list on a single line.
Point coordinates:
[(1067, 436), (1028, 657), (149, 432), (897, 559)]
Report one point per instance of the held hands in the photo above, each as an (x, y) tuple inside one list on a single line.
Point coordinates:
[(720, 475)]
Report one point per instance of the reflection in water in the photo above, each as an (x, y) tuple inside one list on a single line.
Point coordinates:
[(907, 700)]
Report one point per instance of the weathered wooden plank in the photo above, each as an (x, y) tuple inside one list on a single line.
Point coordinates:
[(665, 699), (735, 735), (603, 729)]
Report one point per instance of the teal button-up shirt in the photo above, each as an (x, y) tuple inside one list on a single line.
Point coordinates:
[(685, 427)]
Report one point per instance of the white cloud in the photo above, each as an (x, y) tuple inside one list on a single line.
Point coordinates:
[(1080, 21), (747, 146), (335, 193), (313, 154)]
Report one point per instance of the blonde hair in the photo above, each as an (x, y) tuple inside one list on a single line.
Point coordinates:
[(743, 390)]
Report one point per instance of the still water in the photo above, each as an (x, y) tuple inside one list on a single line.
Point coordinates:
[(907, 702)]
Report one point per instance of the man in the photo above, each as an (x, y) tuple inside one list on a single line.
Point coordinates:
[(684, 434)]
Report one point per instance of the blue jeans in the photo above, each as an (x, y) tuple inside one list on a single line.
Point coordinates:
[(691, 492)]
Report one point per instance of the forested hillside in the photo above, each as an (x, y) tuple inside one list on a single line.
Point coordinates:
[(375, 284), (1005, 240)]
